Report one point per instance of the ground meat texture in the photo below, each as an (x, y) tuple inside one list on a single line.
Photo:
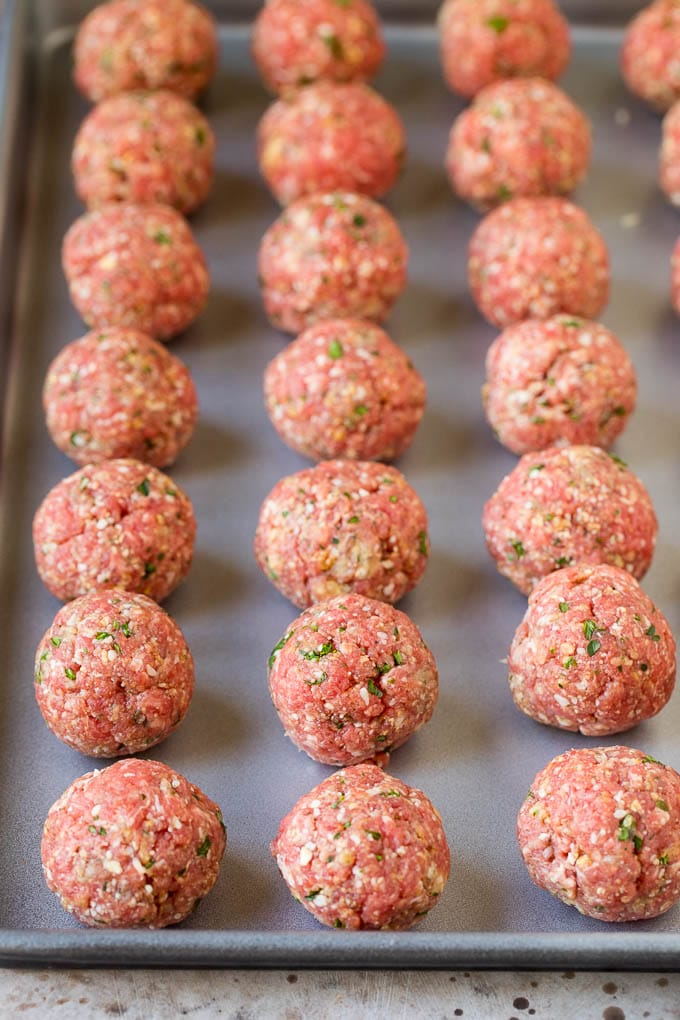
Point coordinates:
[(593, 653), (137, 267), (118, 524), (649, 55), (132, 845), (119, 393), (343, 526), (144, 147), (558, 381), (331, 256), (113, 674), (669, 156), (522, 137), (352, 679), (145, 44), (535, 257), (483, 41), (331, 136), (297, 42), (600, 829), (564, 506), (344, 389), (364, 851)]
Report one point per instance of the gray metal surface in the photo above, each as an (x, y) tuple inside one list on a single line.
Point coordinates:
[(478, 755)]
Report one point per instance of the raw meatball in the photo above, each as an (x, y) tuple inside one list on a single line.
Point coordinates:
[(669, 156), (593, 652), (600, 829), (296, 42), (483, 41), (113, 674), (135, 266), (534, 257), (331, 136), (649, 55), (133, 845), (344, 389), (564, 506), (145, 44), (118, 524), (331, 255), (522, 137), (363, 850), (352, 679), (144, 147), (118, 393), (342, 526), (562, 380)]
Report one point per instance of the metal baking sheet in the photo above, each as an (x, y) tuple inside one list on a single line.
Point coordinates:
[(478, 755)]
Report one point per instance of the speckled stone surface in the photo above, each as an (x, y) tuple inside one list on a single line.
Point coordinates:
[(352, 995)]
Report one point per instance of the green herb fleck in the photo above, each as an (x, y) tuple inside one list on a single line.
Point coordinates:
[(651, 632), (161, 237), (573, 323), (617, 460), (101, 635), (69, 673), (202, 848), (126, 629), (200, 135), (359, 220), (663, 859), (337, 923), (568, 663), (335, 350), (535, 470), (56, 641), (504, 193), (564, 607), (144, 487), (101, 831), (593, 646), (277, 648), (662, 804), (334, 45), (361, 410), (563, 561), (315, 654), (353, 520), (518, 547), (626, 830), (373, 833), (398, 657), (498, 24), (374, 689), (422, 543), (643, 667), (312, 894), (149, 569), (384, 667), (649, 760)]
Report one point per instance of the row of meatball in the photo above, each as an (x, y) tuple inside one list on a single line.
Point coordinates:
[(136, 843), (570, 525)]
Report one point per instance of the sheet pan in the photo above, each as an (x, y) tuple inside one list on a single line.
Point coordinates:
[(478, 755)]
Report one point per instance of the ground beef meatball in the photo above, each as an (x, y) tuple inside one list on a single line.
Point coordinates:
[(558, 381), (344, 389), (118, 524), (669, 156), (145, 44), (483, 41), (352, 679), (113, 674), (363, 850), (649, 55), (535, 257), (119, 393), (331, 256), (135, 266), (331, 136), (593, 653), (570, 505), (144, 147), (343, 526), (600, 829), (522, 137), (133, 845), (297, 42)]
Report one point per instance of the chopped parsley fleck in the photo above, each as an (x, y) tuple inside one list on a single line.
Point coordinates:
[(531, 795), (498, 23), (394, 499), (564, 607), (563, 561), (69, 673), (538, 420), (353, 520), (101, 831), (651, 632), (56, 641), (518, 547), (590, 628), (486, 145), (389, 793), (535, 470), (573, 323), (317, 681), (101, 635), (359, 220), (568, 663), (648, 759), (361, 410), (374, 689), (626, 830), (337, 923), (384, 667), (334, 45), (161, 237), (398, 657), (422, 543), (126, 629), (663, 859), (314, 892), (662, 805), (277, 648), (593, 646), (643, 667), (504, 192), (144, 487), (617, 460), (202, 848), (373, 833), (335, 350), (200, 135), (346, 825), (318, 653)]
